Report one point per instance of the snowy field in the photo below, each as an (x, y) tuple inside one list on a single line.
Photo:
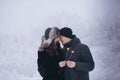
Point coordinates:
[(22, 23)]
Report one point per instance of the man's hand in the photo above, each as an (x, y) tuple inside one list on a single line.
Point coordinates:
[(71, 64), (62, 64)]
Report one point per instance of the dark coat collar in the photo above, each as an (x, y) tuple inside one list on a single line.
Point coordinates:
[(73, 42)]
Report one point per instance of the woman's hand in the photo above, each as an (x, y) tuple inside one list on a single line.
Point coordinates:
[(62, 64)]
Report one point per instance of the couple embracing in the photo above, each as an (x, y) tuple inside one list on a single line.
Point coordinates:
[(62, 56)]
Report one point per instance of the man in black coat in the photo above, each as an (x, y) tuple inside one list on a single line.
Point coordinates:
[(78, 60)]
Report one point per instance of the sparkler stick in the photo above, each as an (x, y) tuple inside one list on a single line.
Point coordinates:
[(72, 52), (67, 53)]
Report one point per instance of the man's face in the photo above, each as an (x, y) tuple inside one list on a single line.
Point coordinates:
[(63, 39)]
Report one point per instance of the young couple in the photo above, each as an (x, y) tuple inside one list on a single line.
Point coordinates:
[(72, 61)]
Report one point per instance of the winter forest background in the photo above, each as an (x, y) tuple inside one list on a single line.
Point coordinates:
[(22, 23)]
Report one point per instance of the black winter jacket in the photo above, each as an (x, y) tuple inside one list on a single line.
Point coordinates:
[(48, 66), (81, 54)]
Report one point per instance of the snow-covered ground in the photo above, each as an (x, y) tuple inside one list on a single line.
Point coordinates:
[(22, 23)]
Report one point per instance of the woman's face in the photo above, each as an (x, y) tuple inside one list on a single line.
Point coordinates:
[(56, 40)]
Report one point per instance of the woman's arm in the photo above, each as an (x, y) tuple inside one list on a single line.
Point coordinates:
[(40, 61)]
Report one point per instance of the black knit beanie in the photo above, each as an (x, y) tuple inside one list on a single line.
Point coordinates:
[(67, 32)]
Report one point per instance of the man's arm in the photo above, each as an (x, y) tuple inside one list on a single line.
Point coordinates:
[(87, 63)]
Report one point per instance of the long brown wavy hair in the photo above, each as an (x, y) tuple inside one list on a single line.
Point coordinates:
[(51, 50)]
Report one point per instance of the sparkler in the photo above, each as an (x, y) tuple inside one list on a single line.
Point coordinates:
[(72, 52), (67, 53)]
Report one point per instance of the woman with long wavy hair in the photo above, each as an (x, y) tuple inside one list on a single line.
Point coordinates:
[(48, 57)]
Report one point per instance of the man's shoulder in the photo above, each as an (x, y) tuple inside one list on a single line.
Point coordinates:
[(82, 45)]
